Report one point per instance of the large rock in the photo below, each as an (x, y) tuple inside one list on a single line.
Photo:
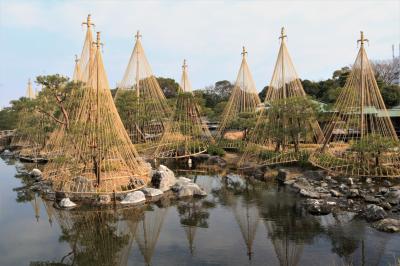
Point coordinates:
[(315, 174), (191, 189), (393, 197), (388, 225), (319, 207), (335, 193), (216, 160), (353, 193), (374, 213), (285, 175), (66, 203), (7, 153), (186, 188), (343, 188), (152, 192), (309, 194), (301, 183), (163, 178), (371, 199), (135, 197), (35, 173)]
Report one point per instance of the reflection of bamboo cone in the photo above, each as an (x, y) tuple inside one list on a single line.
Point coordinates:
[(247, 217), (36, 207), (287, 251), (49, 210), (148, 232)]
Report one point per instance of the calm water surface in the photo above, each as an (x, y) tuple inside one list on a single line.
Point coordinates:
[(238, 223)]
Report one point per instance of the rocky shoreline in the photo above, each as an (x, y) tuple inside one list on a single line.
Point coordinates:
[(375, 200)]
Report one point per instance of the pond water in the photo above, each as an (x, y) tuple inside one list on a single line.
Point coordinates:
[(238, 223)]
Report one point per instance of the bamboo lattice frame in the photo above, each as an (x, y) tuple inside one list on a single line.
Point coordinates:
[(186, 134), (272, 140), (98, 156), (360, 138), (82, 72), (31, 135), (150, 112), (243, 100)]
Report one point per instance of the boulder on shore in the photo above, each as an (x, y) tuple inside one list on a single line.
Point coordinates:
[(393, 197), (285, 175), (184, 187), (388, 225), (135, 197), (7, 153), (152, 192), (319, 207), (309, 194), (35, 173), (374, 213), (163, 178), (66, 203), (216, 160)]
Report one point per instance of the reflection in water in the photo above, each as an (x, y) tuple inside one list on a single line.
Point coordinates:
[(289, 236), (193, 214), (246, 215), (36, 206), (149, 231), (288, 225), (240, 194), (96, 237)]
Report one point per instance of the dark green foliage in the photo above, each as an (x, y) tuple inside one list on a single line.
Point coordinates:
[(391, 95), (243, 121), (291, 120), (169, 86), (215, 150), (373, 146)]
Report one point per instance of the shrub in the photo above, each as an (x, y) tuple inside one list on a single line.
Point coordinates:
[(215, 150)]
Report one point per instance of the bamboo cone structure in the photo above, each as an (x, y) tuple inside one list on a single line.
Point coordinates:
[(98, 156), (243, 103), (31, 134), (77, 70), (272, 140), (24, 137), (360, 139), (29, 91), (186, 134), (149, 111), (82, 72)]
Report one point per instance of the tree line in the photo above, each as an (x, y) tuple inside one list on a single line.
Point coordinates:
[(212, 99)]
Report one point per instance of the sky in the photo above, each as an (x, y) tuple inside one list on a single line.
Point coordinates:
[(42, 37)]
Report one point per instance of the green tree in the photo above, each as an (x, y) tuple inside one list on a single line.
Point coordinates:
[(290, 121), (374, 145), (53, 99), (391, 95), (169, 86)]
